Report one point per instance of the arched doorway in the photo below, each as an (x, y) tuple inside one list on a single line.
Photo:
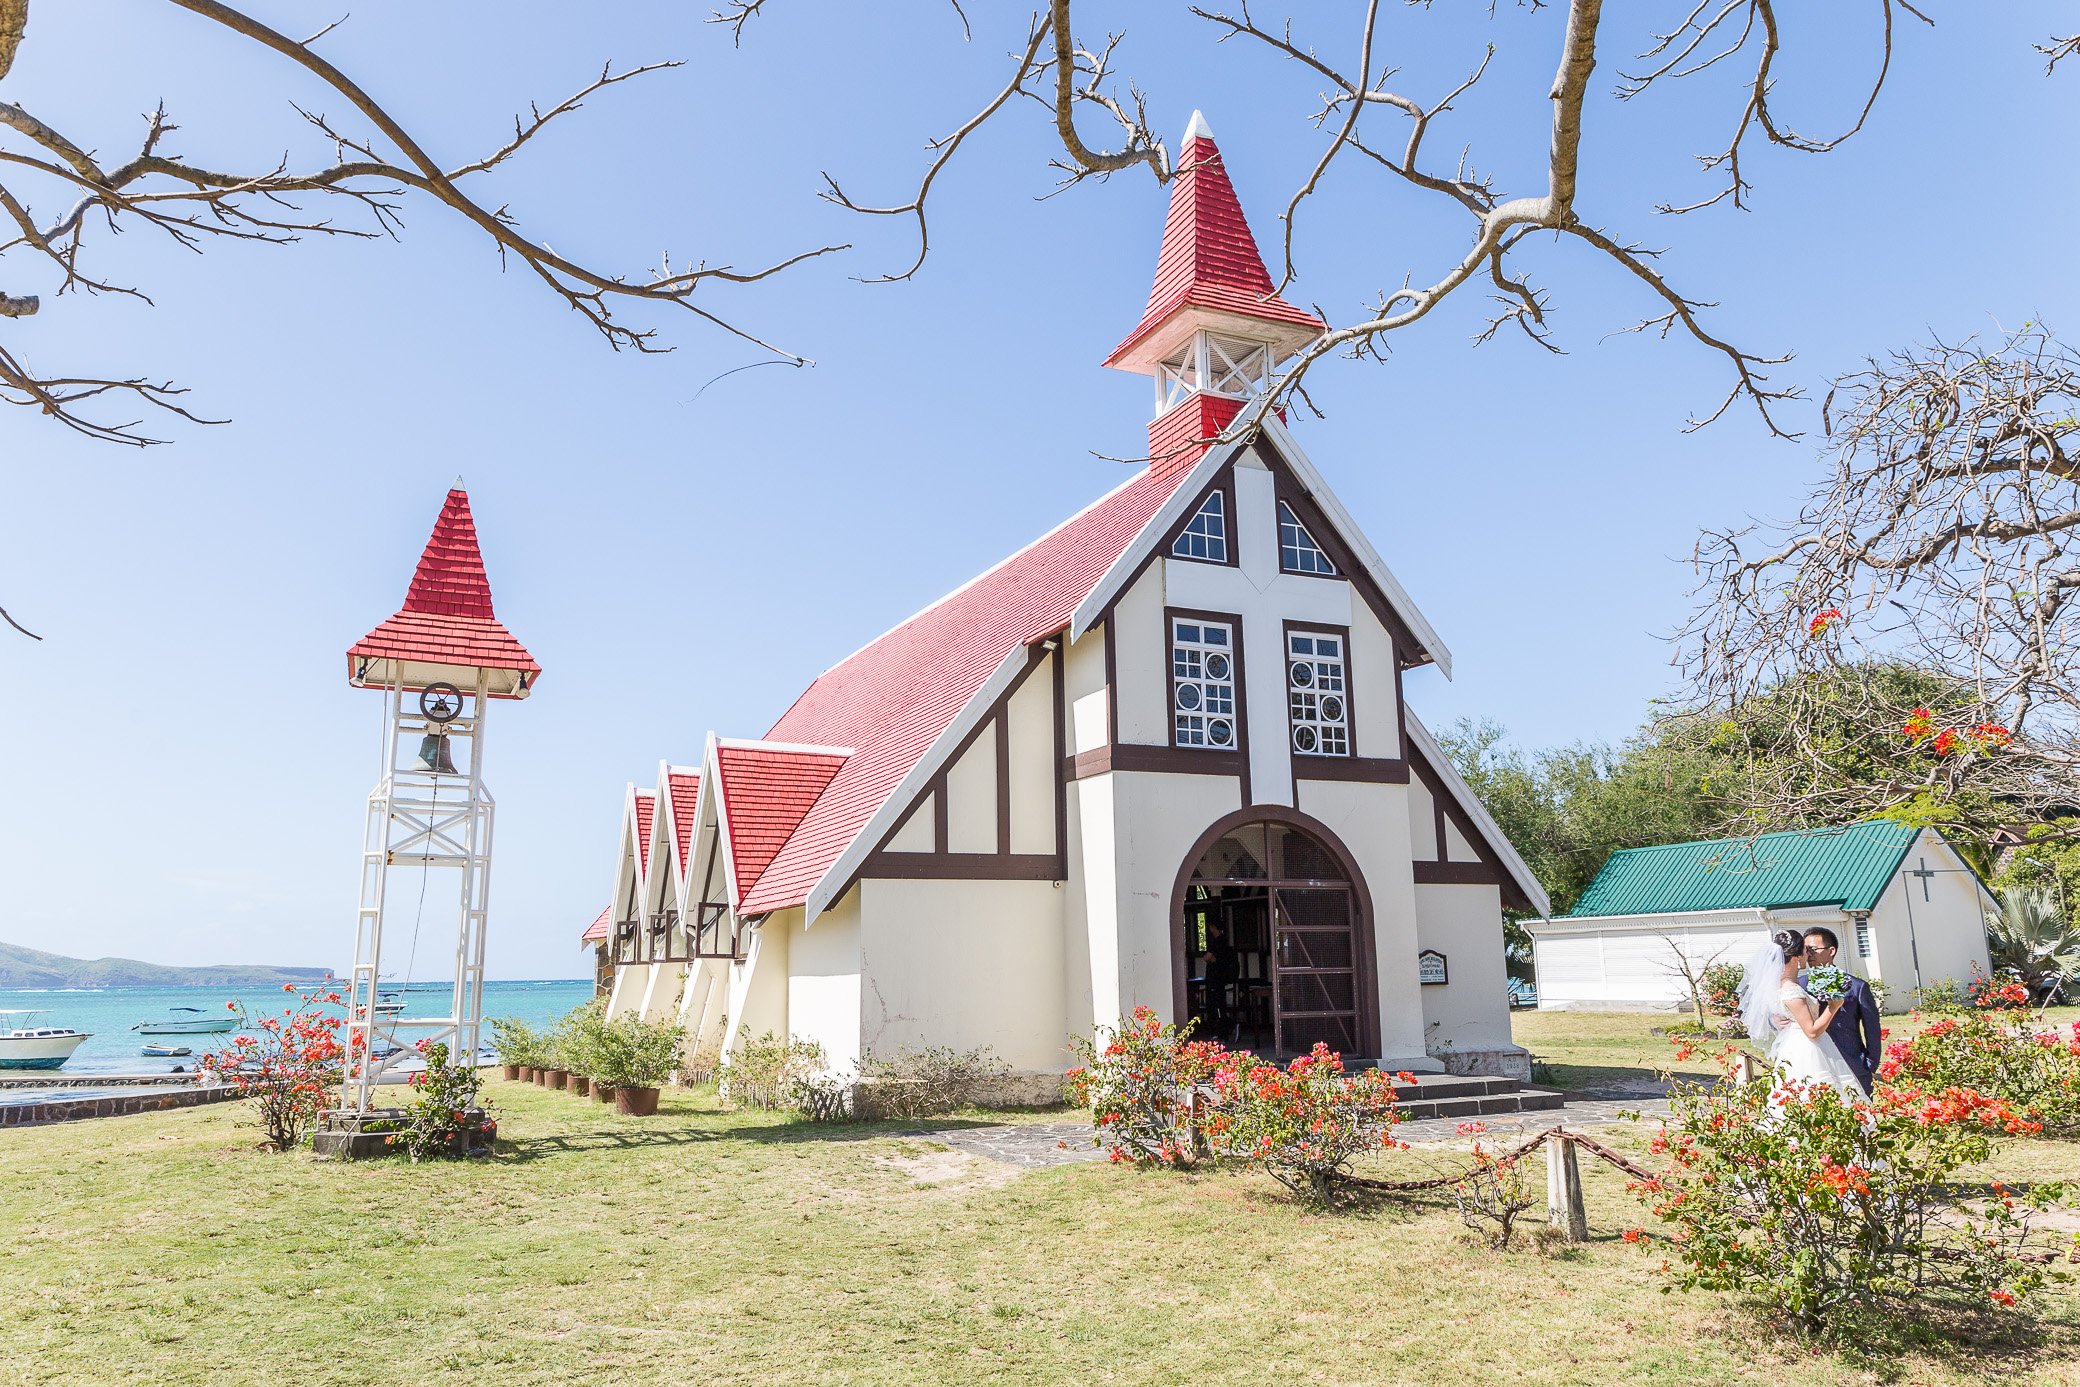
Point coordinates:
[(1272, 938)]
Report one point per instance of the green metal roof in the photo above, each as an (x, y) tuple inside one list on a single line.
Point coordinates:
[(1849, 867)]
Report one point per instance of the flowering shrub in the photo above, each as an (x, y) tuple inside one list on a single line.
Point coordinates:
[(1304, 1123), (1819, 1205), (285, 1065), (1995, 994), (442, 1117), (2036, 1072), (1493, 1192), (1142, 1082)]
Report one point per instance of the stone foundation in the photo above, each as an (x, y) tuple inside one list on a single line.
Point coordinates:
[(1495, 1061), (113, 1105)]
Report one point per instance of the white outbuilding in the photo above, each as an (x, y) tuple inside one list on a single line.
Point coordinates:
[(1908, 910)]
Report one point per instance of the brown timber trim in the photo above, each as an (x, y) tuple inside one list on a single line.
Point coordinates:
[(1059, 676), (1375, 770), (937, 790), (1003, 721), (1448, 810), (1165, 760), (1456, 874), (1361, 899), (963, 866), (1287, 489), (1112, 681)]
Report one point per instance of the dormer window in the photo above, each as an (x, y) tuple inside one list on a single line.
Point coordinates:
[(1206, 537), (1297, 550)]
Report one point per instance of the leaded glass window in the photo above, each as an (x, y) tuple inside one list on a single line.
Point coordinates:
[(1206, 537), (1297, 550), (1202, 683), (1317, 697)]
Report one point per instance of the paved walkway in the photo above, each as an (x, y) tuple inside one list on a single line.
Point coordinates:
[(1037, 1145)]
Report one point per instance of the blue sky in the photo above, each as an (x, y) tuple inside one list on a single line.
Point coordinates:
[(184, 763)]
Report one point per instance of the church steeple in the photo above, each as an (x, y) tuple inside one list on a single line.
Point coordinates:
[(1215, 329)]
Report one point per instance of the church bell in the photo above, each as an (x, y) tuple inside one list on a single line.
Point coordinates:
[(433, 754)]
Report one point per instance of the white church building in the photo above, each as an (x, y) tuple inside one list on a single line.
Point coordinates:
[(1161, 756)]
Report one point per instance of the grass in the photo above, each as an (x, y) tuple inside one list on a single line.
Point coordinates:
[(1619, 1052), (738, 1248)]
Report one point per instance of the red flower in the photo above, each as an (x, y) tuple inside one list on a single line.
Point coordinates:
[(1946, 741), (1631, 1235), (2001, 1297), (1917, 724), (1822, 620)]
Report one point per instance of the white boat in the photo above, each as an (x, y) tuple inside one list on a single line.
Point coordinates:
[(389, 1004), (165, 1052), (25, 1046), (190, 1021)]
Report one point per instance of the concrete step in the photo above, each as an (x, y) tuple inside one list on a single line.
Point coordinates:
[(1429, 1086), (1481, 1105)]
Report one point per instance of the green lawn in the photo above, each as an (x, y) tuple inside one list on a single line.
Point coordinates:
[(709, 1246)]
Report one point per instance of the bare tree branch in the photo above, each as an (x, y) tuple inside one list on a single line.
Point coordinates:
[(1946, 540), (2054, 52)]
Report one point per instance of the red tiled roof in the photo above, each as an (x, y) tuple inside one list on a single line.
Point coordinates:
[(598, 928), (892, 700), (1209, 259), (685, 790), (766, 792), (646, 814), (447, 618)]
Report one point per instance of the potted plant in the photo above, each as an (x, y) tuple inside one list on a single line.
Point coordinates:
[(575, 1043), (516, 1044), (636, 1057)]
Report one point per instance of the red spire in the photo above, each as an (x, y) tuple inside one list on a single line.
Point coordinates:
[(446, 630), (1209, 261), (451, 578)]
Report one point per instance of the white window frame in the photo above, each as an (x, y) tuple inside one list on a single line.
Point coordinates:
[(1306, 555), (1318, 692), (1205, 690), (1214, 541)]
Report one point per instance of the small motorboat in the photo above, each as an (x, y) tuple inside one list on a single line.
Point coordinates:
[(190, 1021), (23, 1046), (389, 1004), (164, 1052)]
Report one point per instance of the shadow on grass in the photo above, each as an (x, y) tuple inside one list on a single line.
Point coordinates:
[(1610, 1080), (667, 1132), (1995, 1345)]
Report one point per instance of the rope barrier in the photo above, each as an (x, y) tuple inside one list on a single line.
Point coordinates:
[(1589, 1144)]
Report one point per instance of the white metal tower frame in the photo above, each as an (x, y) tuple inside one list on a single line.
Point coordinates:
[(442, 823)]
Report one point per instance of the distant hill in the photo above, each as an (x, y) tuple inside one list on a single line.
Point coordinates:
[(25, 967)]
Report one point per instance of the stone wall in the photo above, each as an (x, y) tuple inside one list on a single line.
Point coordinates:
[(113, 1105)]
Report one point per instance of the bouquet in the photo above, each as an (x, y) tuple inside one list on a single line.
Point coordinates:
[(1827, 983)]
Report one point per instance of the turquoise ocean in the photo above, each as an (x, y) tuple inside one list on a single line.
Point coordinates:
[(109, 1013)]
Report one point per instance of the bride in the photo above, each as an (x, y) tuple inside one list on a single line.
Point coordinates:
[(1788, 1024)]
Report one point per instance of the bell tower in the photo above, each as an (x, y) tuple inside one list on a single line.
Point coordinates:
[(439, 662), (1215, 331)]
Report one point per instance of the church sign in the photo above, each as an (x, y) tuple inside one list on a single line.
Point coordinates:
[(1430, 969)]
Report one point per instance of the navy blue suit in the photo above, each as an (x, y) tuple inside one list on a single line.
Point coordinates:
[(1856, 1030)]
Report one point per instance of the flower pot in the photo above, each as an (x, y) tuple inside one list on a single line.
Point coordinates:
[(580, 1085), (635, 1102), (559, 1078), (509, 1072), (603, 1092), (527, 1073)]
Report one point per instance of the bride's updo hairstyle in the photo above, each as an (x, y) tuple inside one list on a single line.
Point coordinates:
[(1790, 941)]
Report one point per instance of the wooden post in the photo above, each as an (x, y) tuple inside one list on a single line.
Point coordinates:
[(1564, 1208)]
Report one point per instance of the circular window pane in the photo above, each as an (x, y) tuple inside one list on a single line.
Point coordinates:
[(1216, 666), (1303, 674), (1304, 739), (1188, 696), (1220, 732), (1332, 709)]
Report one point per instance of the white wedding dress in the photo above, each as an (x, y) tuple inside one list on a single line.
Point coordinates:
[(1800, 1059)]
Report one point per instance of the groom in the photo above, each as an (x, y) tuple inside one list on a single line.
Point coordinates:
[(1855, 1029)]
